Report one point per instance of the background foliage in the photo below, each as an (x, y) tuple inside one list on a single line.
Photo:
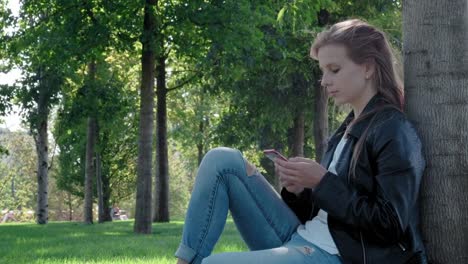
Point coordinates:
[(239, 70)]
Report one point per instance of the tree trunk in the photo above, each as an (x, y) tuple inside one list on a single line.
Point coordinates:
[(297, 146), (296, 133), (320, 122), (100, 192), (436, 81), (70, 207), (162, 164), (90, 170), (203, 123), (91, 139), (106, 191), (42, 212), (143, 197), (201, 130), (267, 141)]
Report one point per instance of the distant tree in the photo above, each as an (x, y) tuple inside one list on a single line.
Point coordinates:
[(143, 196), (17, 171), (38, 38)]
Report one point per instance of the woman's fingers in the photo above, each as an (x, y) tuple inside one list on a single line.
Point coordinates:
[(301, 159), (291, 166), (288, 179), (289, 172)]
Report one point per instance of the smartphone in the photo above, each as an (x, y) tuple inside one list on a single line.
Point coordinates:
[(272, 154)]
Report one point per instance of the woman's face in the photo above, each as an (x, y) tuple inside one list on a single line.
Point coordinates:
[(344, 80)]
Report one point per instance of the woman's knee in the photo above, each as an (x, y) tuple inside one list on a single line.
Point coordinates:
[(228, 158), (222, 157), (220, 153)]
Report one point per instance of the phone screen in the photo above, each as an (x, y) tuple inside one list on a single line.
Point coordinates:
[(272, 154)]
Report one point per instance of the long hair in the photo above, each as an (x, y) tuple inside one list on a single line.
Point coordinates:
[(366, 44)]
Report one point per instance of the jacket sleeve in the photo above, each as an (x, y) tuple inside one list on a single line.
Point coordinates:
[(301, 205), (383, 215)]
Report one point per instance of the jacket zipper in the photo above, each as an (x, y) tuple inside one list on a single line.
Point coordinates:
[(402, 247), (363, 248), (312, 212)]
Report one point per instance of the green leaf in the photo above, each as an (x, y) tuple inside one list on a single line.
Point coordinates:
[(280, 16)]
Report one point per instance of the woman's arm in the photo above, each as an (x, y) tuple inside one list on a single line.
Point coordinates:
[(302, 204)]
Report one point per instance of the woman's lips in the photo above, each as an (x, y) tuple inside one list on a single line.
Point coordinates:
[(332, 93)]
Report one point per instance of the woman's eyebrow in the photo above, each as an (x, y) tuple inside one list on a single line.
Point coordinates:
[(328, 65)]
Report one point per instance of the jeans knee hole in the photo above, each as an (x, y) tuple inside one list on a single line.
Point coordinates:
[(250, 168), (306, 250)]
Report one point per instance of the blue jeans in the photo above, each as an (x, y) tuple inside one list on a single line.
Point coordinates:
[(264, 221)]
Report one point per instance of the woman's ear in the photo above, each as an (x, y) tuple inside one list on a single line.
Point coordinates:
[(369, 68)]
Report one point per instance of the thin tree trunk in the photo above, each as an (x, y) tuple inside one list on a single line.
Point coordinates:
[(201, 129), (70, 207), (91, 141), (162, 164), (99, 186), (436, 81), (105, 196), (297, 148), (320, 122), (203, 123), (266, 142), (42, 212), (90, 170), (143, 197)]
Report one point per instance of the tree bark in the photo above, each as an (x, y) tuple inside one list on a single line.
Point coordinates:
[(320, 122), (90, 170), (162, 165), (202, 125), (143, 197), (91, 141), (106, 191), (297, 148), (200, 148), (436, 81), (100, 192), (70, 207), (268, 141), (42, 146)]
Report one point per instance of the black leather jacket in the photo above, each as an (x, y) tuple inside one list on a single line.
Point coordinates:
[(374, 217)]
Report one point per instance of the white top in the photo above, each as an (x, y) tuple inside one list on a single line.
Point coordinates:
[(316, 230)]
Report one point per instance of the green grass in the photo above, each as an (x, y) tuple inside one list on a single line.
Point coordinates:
[(65, 242)]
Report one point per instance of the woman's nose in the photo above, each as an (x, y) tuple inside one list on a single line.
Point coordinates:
[(325, 81)]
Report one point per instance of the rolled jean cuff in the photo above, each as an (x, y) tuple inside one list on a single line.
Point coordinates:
[(188, 254)]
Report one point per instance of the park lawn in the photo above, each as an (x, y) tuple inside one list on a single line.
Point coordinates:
[(115, 242)]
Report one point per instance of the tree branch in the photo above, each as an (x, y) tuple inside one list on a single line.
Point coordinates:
[(182, 84)]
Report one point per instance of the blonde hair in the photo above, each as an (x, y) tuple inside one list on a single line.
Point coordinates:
[(365, 43)]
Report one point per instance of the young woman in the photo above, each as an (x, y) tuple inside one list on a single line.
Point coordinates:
[(359, 206)]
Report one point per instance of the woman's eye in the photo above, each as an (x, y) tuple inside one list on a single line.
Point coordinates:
[(335, 70)]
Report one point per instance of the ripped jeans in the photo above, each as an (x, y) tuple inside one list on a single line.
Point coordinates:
[(264, 221)]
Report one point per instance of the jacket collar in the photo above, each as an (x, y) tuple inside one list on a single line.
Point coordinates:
[(358, 128)]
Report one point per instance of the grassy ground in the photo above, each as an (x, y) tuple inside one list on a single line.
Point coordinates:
[(65, 242)]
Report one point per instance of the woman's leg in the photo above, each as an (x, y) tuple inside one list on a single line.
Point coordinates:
[(296, 251), (222, 183)]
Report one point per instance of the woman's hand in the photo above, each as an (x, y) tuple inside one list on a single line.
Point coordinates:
[(296, 189), (297, 173)]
